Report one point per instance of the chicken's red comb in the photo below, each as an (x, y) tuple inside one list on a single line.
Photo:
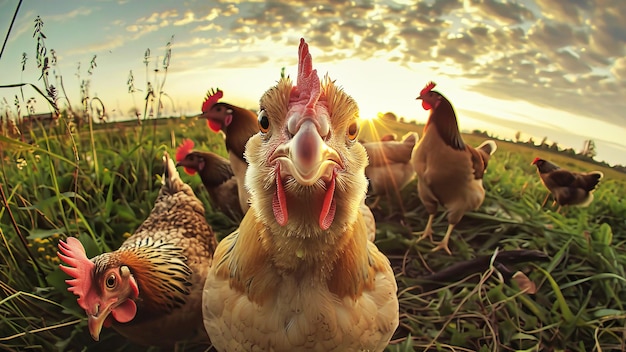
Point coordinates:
[(535, 161), (428, 88), (185, 148), (308, 82), (80, 269), (212, 96)]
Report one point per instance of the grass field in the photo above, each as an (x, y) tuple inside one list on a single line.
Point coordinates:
[(98, 184)]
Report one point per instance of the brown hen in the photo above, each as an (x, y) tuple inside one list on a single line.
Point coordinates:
[(238, 125), (217, 177), (390, 169), (449, 172), (299, 273), (150, 289), (567, 187)]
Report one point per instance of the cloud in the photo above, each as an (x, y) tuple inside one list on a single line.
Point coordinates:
[(141, 30), (570, 62), (209, 27), (151, 23), (418, 41), (188, 18), (552, 35), (503, 12), (619, 68), (568, 55), (78, 12), (567, 11)]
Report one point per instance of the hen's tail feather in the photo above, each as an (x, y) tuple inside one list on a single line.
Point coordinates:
[(171, 178), (480, 264), (488, 147), (411, 138), (594, 178)]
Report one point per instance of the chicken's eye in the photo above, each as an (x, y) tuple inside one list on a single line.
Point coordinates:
[(111, 281), (264, 122), (353, 131)]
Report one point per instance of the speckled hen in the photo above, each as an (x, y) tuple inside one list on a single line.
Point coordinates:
[(149, 290)]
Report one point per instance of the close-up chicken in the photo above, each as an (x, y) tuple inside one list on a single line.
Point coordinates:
[(449, 172), (238, 125), (390, 168), (217, 177), (299, 272), (567, 187), (150, 289), (241, 132)]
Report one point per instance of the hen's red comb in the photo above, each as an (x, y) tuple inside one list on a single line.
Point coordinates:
[(308, 82), (212, 96), (80, 268), (185, 148), (428, 88), (535, 161)]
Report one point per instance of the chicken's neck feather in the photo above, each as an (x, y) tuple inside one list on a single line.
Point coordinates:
[(445, 122), (216, 172), (243, 126), (159, 268), (257, 260)]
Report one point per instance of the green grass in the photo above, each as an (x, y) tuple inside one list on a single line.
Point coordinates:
[(100, 182)]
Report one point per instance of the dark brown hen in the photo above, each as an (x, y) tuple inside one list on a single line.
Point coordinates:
[(217, 177), (238, 125), (567, 187)]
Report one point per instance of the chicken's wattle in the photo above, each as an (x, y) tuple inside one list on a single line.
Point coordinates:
[(214, 125), (125, 312), (327, 215), (279, 202), (327, 212)]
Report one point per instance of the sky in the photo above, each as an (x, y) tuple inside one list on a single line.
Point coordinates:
[(545, 68)]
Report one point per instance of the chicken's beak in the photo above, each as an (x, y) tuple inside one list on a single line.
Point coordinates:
[(309, 157), (95, 323), (96, 318), (121, 307), (418, 98)]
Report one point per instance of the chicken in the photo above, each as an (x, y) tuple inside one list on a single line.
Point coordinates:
[(368, 218), (217, 177), (567, 187), (388, 137), (390, 168), (449, 172), (238, 125), (150, 289), (299, 272)]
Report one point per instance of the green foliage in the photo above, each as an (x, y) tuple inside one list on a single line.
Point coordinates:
[(578, 305), (99, 183)]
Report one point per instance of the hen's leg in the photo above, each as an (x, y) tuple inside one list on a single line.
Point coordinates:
[(545, 200), (428, 231), (444, 243)]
